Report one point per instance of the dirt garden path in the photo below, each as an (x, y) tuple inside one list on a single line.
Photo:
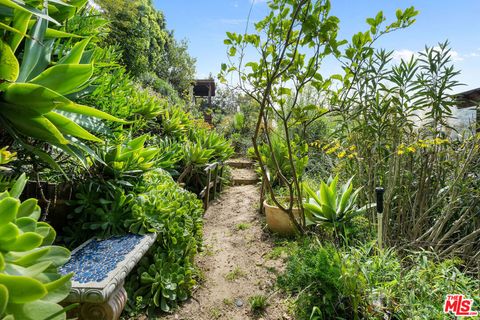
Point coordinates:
[(237, 262)]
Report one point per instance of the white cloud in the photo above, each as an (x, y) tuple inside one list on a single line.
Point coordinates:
[(403, 54), (406, 54), (257, 1), (454, 55), (474, 54)]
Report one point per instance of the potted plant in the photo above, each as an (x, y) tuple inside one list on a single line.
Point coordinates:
[(278, 220)]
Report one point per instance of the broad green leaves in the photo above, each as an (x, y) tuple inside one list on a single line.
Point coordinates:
[(9, 68), (30, 286), (64, 78), (33, 88), (329, 205)]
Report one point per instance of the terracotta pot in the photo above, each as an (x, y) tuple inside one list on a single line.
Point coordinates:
[(278, 221)]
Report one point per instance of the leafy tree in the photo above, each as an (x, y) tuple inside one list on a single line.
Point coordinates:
[(292, 41), (150, 51)]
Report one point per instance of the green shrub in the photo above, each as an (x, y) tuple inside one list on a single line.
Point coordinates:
[(140, 203), (361, 282), (30, 285), (317, 274), (167, 272)]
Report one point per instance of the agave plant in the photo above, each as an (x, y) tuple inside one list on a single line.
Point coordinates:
[(30, 285), (130, 158), (34, 90), (331, 206)]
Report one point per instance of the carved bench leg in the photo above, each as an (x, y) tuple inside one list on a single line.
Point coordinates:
[(109, 310)]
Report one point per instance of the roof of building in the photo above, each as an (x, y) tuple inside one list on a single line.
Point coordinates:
[(468, 98), (201, 87)]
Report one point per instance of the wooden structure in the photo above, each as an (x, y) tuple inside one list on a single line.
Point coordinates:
[(214, 182), (204, 88), (470, 99)]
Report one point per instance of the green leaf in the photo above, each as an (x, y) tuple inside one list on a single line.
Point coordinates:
[(54, 285), (38, 310), (345, 198), (311, 193), (58, 255), (67, 126), (18, 5), (34, 97), (9, 67), (8, 232), (26, 259), (29, 208), (53, 33), (34, 49), (64, 78), (20, 24), (88, 111), (47, 232), (284, 91), (37, 127), (45, 157), (8, 210), (22, 289), (36, 269), (3, 298), (24, 242), (76, 53), (18, 186), (26, 224)]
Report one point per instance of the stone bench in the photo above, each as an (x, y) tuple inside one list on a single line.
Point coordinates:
[(100, 268)]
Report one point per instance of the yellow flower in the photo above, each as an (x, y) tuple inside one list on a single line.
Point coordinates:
[(6, 156), (331, 150), (341, 154), (411, 149), (352, 155), (440, 141), (352, 148), (400, 152), (325, 147)]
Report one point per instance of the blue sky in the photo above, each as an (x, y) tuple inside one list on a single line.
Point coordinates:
[(204, 24)]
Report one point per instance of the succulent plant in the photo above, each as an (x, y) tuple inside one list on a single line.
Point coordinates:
[(30, 285)]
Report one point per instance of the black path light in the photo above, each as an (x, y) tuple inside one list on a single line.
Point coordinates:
[(379, 192)]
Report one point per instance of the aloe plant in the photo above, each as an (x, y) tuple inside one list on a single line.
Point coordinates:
[(34, 90), (332, 206), (30, 285)]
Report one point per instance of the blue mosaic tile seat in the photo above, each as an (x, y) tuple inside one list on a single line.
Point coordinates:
[(100, 266), (94, 261)]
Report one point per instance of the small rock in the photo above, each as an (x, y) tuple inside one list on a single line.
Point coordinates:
[(239, 303)]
